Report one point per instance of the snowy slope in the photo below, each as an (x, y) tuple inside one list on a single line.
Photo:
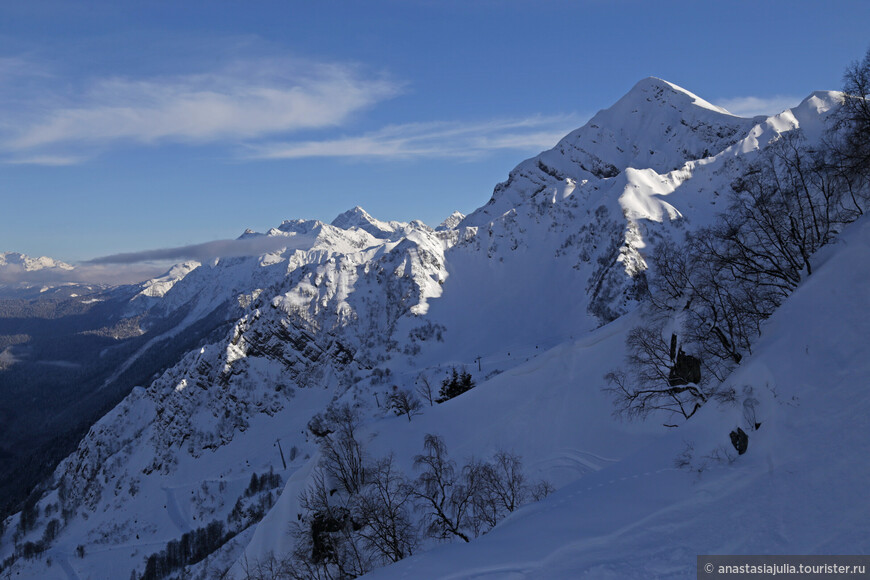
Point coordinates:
[(799, 489), (548, 409), (528, 283)]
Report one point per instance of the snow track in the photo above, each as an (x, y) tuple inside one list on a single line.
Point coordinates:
[(574, 462), (174, 513), (63, 561)]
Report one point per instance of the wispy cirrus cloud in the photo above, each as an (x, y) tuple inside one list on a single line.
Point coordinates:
[(437, 139), (244, 100), (752, 106), (49, 160), (252, 105), (17, 67)]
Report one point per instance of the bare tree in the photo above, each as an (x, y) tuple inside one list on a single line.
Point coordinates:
[(482, 513), (424, 389), (344, 535), (758, 239), (499, 489), (444, 500), (848, 143), (327, 543), (384, 509), (541, 489), (271, 568), (505, 481), (473, 501), (403, 402), (652, 384), (343, 457), (783, 210), (719, 314), (853, 145)]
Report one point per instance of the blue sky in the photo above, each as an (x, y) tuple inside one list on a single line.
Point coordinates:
[(137, 125)]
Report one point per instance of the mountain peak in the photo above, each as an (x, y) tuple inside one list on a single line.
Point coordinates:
[(452, 221), (657, 125), (359, 218), (352, 218), (656, 89), (31, 264)]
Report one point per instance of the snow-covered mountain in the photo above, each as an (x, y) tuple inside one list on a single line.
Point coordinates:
[(28, 264), (19, 272), (532, 294)]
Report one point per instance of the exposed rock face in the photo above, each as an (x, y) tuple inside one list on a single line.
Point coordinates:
[(686, 370), (740, 440)]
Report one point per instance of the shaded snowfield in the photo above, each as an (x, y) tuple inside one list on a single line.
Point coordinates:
[(549, 410), (801, 488)]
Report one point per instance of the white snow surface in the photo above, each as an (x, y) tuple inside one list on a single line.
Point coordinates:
[(159, 286), (538, 286)]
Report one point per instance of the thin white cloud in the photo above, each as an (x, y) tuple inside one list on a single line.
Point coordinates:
[(441, 139), (753, 106), (253, 105), (18, 69), (50, 160), (247, 246), (132, 267), (246, 100), (15, 276), (13, 66), (535, 140)]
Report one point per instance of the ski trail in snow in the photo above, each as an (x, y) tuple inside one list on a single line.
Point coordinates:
[(573, 460), (507, 572), (70, 572), (132, 359), (635, 476), (187, 321), (174, 513)]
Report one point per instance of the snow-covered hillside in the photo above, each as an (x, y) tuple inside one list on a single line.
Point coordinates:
[(532, 294), (799, 489)]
